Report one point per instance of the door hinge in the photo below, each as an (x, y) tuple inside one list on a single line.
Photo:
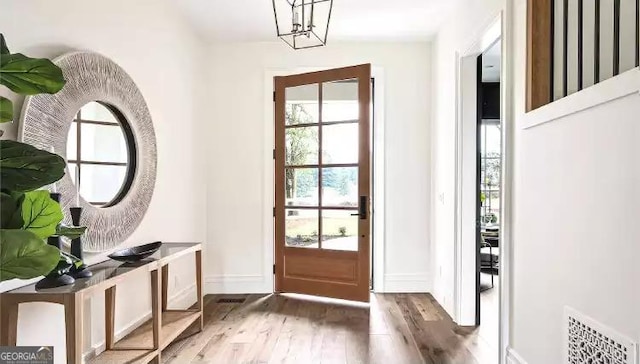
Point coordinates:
[(274, 154), (274, 269), (274, 212), (274, 96)]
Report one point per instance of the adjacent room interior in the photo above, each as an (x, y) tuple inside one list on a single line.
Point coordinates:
[(320, 181), (489, 182)]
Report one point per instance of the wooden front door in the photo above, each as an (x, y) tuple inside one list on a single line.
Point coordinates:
[(322, 175)]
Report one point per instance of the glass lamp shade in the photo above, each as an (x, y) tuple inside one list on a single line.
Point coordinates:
[(303, 23)]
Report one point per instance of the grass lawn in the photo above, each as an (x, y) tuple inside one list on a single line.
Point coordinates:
[(308, 226)]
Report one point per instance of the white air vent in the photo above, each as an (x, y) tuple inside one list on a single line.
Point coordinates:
[(588, 341)]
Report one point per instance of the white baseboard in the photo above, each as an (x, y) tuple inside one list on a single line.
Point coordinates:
[(236, 284), (514, 358), (241, 284), (407, 283), (183, 298)]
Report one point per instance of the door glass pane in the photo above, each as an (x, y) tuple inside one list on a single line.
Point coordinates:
[(340, 101), (301, 106), (493, 141), (301, 146), (301, 228), (339, 230), (340, 187), (340, 144), (492, 172), (301, 186)]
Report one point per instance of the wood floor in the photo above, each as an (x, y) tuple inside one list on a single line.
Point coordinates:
[(394, 329)]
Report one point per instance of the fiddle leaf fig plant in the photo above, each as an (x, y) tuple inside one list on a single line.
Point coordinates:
[(6, 110), (28, 216), (25, 168), (3, 46), (70, 232), (6, 107), (30, 76), (40, 213), (11, 210), (25, 255)]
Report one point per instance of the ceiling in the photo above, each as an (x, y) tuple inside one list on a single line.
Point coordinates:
[(364, 20)]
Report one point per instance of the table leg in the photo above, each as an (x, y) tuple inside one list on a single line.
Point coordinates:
[(165, 286), (73, 311), (156, 313), (199, 287), (109, 316), (8, 322), (157, 359)]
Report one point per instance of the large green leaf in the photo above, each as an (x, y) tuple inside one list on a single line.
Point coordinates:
[(25, 168), (24, 255), (77, 262), (65, 263), (11, 210), (71, 232), (41, 214), (6, 110), (30, 76), (3, 45)]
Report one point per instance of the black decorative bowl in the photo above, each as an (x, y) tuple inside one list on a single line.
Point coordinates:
[(135, 253)]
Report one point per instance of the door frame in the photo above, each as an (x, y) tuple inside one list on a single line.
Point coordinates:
[(501, 25), (267, 278), (299, 270)]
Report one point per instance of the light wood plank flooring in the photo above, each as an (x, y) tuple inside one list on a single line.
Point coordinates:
[(394, 329)]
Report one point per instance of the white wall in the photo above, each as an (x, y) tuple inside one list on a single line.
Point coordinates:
[(166, 61), (238, 232), (576, 197), (472, 17), (575, 200)]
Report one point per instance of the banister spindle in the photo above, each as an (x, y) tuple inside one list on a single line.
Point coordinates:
[(637, 33), (565, 47), (596, 43), (552, 50), (616, 37), (580, 44)]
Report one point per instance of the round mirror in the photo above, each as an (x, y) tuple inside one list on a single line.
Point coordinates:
[(101, 154), (101, 120)]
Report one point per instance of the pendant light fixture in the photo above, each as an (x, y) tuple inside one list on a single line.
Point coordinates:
[(303, 23)]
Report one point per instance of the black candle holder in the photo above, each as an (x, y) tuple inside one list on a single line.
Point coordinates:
[(58, 276), (76, 246), (55, 240)]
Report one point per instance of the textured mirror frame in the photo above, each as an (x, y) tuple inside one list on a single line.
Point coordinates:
[(45, 123)]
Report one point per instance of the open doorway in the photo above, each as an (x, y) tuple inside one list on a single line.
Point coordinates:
[(341, 106), (322, 163), (480, 215), (488, 195)]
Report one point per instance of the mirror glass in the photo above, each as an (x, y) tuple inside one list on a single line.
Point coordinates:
[(101, 154)]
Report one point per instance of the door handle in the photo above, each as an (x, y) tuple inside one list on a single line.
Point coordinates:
[(362, 208)]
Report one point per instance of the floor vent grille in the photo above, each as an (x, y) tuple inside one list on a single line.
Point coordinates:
[(588, 341), (230, 300)]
